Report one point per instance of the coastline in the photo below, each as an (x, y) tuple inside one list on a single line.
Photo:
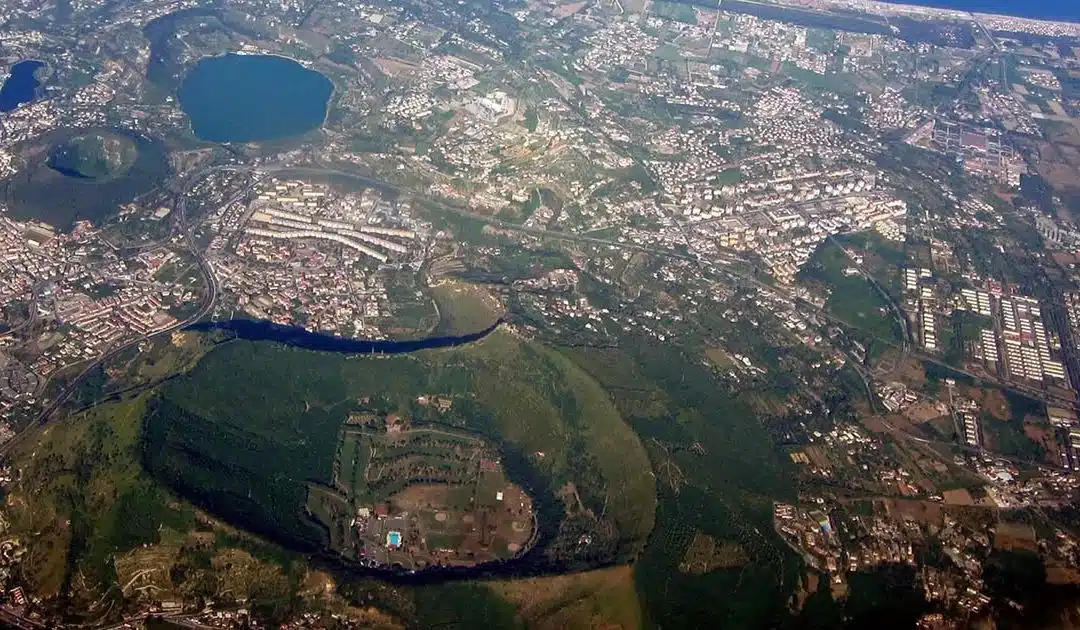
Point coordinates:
[(1066, 26), (983, 12)]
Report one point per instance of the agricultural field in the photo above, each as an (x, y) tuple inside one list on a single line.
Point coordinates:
[(435, 436), (165, 357), (297, 457), (372, 466), (444, 492), (462, 526), (83, 495)]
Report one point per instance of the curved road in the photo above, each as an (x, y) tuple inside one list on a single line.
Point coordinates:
[(188, 229), (211, 296), (32, 318), (486, 218), (208, 304)]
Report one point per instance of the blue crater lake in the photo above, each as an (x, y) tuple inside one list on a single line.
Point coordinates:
[(251, 98), (22, 86)]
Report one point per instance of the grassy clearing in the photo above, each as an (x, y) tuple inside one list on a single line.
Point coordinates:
[(464, 308), (170, 356), (674, 11), (332, 510), (719, 358), (347, 465), (605, 598), (853, 298), (383, 465), (147, 568)]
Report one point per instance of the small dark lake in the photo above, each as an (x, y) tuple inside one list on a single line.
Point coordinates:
[(260, 330), (84, 174), (22, 86), (251, 98)]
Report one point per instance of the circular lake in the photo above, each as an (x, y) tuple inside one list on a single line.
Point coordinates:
[(250, 98), (21, 86)]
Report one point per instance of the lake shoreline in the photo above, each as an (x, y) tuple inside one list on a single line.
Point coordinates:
[(21, 85), (297, 337), (244, 97)]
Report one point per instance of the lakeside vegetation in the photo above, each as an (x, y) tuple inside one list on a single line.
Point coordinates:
[(126, 166), (126, 530), (464, 308), (675, 11)]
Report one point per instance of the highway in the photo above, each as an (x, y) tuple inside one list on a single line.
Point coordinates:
[(721, 267), (986, 32), (209, 299), (188, 228), (32, 317)]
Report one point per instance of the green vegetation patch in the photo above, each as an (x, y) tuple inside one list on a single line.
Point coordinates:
[(853, 298), (247, 431), (97, 156), (717, 476), (464, 308), (1009, 438), (87, 175), (729, 176), (675, 11), (82, 497), (373, 465), (461, 606)]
